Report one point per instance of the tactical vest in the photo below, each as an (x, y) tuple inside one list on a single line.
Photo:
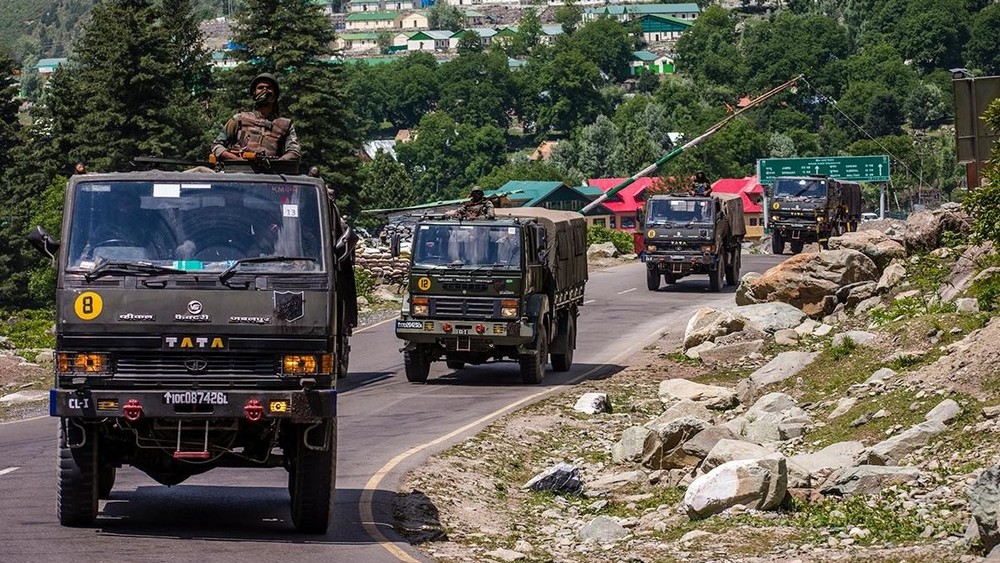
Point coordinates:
[(260, 135)]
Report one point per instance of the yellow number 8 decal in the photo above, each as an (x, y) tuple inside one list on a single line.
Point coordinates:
[(88, 305), (424, 284)]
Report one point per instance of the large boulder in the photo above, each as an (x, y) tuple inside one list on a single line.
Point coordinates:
[(711, 396), (964, 271), (810, 281), (760, 484), (771, 317), (873, 244), (707, 324), (984, 503)]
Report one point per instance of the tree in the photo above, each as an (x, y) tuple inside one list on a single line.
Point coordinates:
[(386, 185), (469, 42), (569, 16), (709, 50), (445, 16), (781, 146), (565, 92), (982, 50), (480, 90), (596, 144), (291, 39), (131, 91), (384, 42), (634, 151), (925, 105), (606, 43)]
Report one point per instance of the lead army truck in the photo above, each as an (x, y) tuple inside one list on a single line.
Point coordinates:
[(687, 235), (202, 320), (808, 209), (491, 289)]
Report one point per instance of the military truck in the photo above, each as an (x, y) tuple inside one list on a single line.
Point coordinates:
[(811, 209), (495, 289), (687, 235), (202, 321)]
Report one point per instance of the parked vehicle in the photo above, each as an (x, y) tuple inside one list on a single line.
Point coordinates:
[(494, 289), (810, 209), (687, 235), (202, 321)]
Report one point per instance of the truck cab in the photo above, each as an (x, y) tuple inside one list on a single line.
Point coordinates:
[(202, 321), (687, 235), (493, 289)]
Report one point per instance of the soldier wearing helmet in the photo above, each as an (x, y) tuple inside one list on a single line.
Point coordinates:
[(262, 131), (477, 206)]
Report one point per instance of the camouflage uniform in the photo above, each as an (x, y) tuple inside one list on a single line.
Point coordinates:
[(250, 131), (476, 209)]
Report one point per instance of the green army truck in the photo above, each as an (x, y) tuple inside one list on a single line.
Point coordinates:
[(495, 289), (686, 235), (811, 209), (202, 321)]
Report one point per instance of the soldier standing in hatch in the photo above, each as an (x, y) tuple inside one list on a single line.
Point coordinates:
[(477, 206), (262, 131), (700, 186)]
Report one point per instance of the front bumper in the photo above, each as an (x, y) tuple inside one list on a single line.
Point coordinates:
[(295, 405), (680, 264), (463, 335)]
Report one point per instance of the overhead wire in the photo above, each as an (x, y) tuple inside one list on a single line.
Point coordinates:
[(833, 103)]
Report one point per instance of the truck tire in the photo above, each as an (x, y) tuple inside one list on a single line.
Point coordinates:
[(311, 480), (733, 268), (417, 365), (76, 500), (777, 244), (533, 364), (564, 361), (716, 276), (455, 364), (797, 246), (652, 279)]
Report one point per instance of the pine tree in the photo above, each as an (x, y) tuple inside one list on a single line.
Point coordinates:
[(292, 39)]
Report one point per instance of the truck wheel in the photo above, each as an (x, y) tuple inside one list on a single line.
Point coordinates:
[(777, 244), (652, 279), (455, 364), (417, 365), (311, 479), (715, 277), (563, 362), (106, 481), (733, 268), (797, 246), (533, 365), (77, 495)]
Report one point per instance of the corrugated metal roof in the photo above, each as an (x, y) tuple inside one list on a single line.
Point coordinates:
[(371, 16)]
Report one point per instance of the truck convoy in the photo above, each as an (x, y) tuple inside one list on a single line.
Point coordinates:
[(490, 289), (808, 209), (687, 235), (202, 321)]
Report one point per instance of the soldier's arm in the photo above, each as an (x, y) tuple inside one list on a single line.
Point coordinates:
[(226, 139), (292, 149)]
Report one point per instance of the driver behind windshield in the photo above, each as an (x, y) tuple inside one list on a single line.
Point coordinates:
[(120, 230)]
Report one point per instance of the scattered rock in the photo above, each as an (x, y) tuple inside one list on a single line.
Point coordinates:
[(562, 478), (593, 403)]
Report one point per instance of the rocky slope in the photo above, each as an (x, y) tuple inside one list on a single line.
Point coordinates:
[(860, 424)]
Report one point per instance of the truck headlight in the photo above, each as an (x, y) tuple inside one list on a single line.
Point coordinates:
[(708, 248), (650, 248), (300, 364), (83, 363), (508, 308), (420, 306)]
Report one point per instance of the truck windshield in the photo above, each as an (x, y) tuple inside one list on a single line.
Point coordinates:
[(205, 226), (678, 211), (799, 187), (467, 246)]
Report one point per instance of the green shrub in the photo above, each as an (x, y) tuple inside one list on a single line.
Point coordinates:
[(364, 282), (29, 328), (844, 349), (987, 291), (623, 241)]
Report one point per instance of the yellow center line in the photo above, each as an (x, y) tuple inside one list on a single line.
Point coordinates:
[(365, 507)]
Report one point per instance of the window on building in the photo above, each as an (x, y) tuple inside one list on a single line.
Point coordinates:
[(599, 221), (628, 222), (754, 222)]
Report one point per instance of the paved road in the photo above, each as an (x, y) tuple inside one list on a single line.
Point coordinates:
[(387, 427)]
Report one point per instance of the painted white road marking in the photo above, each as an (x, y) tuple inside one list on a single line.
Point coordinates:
[(626, 291), (8, 470), (589, 301)]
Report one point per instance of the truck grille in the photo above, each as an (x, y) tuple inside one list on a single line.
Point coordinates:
[(474, 287), (461, 308), (206, 369)]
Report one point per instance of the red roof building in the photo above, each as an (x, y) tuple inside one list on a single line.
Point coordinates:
[(752, 193), (627, 203)]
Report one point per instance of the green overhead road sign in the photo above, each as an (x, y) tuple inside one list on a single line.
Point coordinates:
[(856, 168)]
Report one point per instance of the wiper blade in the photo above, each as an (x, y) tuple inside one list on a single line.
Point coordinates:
[(111, 267), (231, 271)]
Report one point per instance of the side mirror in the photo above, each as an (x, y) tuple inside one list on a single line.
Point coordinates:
[(394, 244), (43, 242), (541, 246)]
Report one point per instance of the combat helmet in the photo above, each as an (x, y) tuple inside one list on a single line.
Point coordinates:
[(266, 76)]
